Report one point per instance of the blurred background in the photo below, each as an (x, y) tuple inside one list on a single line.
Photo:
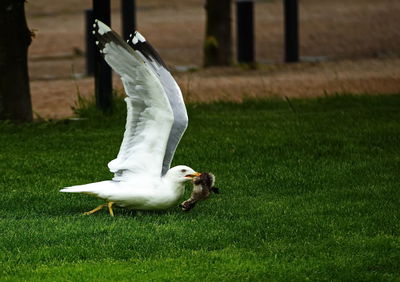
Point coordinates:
[(345, 46)]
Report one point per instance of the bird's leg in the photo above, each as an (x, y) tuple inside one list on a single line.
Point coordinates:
[(95, 210), (110, 208)]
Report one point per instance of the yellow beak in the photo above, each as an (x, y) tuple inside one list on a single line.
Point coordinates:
[(193, 175)]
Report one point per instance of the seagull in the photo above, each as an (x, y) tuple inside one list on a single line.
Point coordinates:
[(156, 121)]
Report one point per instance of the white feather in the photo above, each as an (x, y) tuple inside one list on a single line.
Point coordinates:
[(175, 98)]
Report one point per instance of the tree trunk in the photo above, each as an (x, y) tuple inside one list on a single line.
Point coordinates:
[(15, 37), (218, 41)]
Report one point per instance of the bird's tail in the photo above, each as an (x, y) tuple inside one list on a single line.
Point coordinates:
[(74, 189), (91, 188)]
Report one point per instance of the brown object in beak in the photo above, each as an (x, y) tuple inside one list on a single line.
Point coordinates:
[(187, 205), (202, 189)]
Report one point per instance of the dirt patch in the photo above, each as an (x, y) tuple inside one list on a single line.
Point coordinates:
[(360, 38)]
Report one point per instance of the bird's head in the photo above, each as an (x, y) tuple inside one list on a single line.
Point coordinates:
[(203, 186), (181, 173)]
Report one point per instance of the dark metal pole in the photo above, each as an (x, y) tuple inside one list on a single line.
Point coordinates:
[(90, 46), (128, 12), (245, 31), (102, 72), (291, 10)]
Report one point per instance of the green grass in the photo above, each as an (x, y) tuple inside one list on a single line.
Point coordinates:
[(309, 190)]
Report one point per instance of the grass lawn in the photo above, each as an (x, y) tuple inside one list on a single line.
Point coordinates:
[(309, 190)]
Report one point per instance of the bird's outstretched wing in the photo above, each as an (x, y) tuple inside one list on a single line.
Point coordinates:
[(171, 88), (149, 117)]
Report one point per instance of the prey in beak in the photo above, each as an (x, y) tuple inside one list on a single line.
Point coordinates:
[(203, 186)]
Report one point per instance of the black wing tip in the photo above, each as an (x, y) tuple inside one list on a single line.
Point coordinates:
[(137, 38), (139, 43), (101, 27), (103, 34)]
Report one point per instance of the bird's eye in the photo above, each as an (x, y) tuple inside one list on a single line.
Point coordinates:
[(183, 170)]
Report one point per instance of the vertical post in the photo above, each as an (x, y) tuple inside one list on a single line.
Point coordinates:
[(291, 11), (128, 11), (90, 46), (102, 72), (245, 31), (217, 46)]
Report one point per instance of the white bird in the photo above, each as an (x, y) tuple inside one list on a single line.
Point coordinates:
[(156, 121)]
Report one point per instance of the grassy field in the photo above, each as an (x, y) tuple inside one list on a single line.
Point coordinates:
[(309, 190)]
